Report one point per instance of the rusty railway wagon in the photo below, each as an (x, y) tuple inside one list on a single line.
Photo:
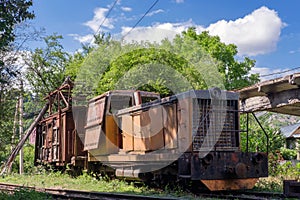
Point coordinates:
[(194, 136), (58, 143)]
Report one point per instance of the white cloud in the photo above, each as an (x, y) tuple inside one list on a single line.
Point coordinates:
[(294, 51), (154, 12), (98, 19), (83, 39), (158, 31), (256, 33), (126, 9)]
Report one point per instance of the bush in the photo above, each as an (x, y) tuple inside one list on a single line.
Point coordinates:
[(273, 184), (288, 154), (28, 161), (274, 162)]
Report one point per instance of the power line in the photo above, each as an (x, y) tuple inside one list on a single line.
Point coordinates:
[(265, 75), (140, 19), (107, 14)]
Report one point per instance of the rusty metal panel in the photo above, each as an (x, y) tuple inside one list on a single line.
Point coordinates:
[(92, 137), (139, 144), (148, 129), (95, 116), (184, 124), (154, 125), (229, 165), (96, 112), (111, 133), (80, 116), (230, 184), (170, 126), (127, 132)]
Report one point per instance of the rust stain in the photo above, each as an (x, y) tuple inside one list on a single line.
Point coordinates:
[(230, 184)]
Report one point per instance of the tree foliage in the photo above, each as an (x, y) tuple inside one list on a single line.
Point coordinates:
[(7, 110), (236, 73), (12, 12), (46, 69), (189, 61), (257, 138)]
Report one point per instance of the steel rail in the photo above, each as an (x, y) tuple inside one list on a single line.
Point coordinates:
[(57, 193)]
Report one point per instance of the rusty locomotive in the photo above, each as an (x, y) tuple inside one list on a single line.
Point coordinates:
[(194, 135)]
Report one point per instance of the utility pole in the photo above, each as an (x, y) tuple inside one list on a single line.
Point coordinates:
[(13, 137), (21, 166)]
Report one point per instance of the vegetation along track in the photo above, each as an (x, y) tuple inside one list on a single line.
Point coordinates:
[(77, 194)]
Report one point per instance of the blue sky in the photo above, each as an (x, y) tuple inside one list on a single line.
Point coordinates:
[(264, 30)]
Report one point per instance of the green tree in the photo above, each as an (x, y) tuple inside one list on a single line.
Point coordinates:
[(73, 64), (179, 64), (191, 55), (257, 138), (236, 74), (45, 71), (8, 105), (12, 12)]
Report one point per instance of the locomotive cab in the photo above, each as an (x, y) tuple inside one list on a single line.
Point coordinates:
[(215, 157)]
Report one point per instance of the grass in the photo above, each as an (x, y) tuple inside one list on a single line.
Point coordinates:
[(24, 194), (89, 183)]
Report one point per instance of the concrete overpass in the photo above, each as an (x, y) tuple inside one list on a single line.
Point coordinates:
[(280, 95)]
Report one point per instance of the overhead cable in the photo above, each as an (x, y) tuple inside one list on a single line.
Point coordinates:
[(135, 25), (275, 73)]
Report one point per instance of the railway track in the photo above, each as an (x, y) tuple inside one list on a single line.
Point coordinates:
[(77, 194), (243, 195)]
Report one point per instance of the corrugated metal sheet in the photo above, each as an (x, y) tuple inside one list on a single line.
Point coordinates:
[(291, 130)]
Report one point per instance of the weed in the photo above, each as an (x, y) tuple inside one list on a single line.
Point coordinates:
[(24, 194)]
